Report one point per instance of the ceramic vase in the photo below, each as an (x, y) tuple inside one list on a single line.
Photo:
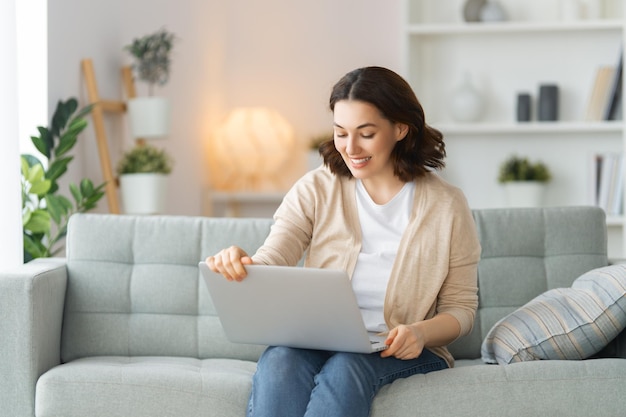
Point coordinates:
[(548, 107), (524, 193), (143, 193), (523, 107), (471, 10), (492, 11), (467, 103), (149, 117)]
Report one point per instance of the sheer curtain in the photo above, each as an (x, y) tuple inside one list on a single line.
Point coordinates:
[(11, 253)]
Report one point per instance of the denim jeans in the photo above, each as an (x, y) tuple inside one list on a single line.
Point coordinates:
[(313, 383)]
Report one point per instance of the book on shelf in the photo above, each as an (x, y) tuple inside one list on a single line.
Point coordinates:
[(613, 109), (607, 182), (601, 95)]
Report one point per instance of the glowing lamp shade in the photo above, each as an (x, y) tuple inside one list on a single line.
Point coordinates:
[(250, 149)]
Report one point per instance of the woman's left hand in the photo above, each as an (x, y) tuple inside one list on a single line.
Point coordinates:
[(405, 342)]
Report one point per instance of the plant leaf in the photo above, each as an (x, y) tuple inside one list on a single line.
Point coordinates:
[(66, 203), (35, 174), (76, 193), (40, 188), (58, 167), (66, 143), (55, 208), (92, 201), (62, 114), (39, 144), (84, 111), (32, 160), (86, 187), (24, 167), (77, 125), (39, 222), (26, 215), (34, 248)]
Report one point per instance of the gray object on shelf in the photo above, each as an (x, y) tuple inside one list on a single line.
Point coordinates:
[(523, 107), (548, 109), (471, 10), (492, 11)]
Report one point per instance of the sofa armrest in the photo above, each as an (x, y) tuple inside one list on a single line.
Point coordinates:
[(32, 297)]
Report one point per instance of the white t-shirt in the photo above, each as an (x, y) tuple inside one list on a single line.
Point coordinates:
[(381, 227)]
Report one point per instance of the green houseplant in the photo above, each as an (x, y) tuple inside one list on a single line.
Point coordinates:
[(314, 159), (46, 212), (149, 116), (524, 181), (517, 168), (152, 57), (143, 172)]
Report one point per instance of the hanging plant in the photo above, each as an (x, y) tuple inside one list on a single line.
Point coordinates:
[(152, 56)]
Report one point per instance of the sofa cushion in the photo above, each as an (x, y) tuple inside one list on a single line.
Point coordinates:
[(145, 387), (563, 323)]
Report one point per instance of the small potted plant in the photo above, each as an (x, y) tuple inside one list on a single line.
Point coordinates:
[(149, 116), (524, 181), (314, 159), (143, 179)]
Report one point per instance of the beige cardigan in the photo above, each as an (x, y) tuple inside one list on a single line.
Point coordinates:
[(435, 270)]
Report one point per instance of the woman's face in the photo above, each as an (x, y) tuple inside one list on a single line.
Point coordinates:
[(365, 139)]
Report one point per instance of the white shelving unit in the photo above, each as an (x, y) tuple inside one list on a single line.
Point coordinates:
[(533, 47)]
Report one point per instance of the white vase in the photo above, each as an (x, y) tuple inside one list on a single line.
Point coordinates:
[(466, 103), (149, 117), (143, 193), (524, 193), (492, 11), (314, 159)]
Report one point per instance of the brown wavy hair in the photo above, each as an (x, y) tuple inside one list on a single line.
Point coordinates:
[(421, 150)]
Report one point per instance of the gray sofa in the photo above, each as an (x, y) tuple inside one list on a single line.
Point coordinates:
[(124, 325)]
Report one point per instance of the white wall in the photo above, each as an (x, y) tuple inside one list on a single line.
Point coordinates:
[(78, 30), (10, 209), (278, 53)]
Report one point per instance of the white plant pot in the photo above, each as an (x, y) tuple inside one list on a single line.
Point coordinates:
[(524, 193), (149, 117), (143, 193), (314, 160)]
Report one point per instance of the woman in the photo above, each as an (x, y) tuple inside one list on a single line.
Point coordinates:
[(405, 236)]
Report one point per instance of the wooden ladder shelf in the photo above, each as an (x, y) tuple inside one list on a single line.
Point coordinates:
[(97, 114)]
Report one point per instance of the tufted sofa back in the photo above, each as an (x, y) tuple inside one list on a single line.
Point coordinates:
[(134, 288)]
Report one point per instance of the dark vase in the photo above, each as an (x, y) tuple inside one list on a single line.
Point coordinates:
[(548, 110), (523, 107)]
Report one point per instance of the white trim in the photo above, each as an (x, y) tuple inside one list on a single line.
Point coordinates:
[(11, 252)]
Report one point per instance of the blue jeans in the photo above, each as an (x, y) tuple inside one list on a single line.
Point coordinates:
[(313, 383)]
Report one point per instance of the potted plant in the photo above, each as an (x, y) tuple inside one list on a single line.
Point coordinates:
[(149, 116), (143, 179), (524, 181), (314, 159), (46, 212)]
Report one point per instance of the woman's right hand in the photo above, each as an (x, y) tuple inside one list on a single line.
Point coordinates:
[(230, 263)]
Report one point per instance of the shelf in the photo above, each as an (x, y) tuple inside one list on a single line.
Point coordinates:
[(504, 59), (615, 221), (532, 127), (513, 27), (247, 196)]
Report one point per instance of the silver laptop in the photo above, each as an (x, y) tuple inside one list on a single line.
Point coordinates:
[(291, 306)]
